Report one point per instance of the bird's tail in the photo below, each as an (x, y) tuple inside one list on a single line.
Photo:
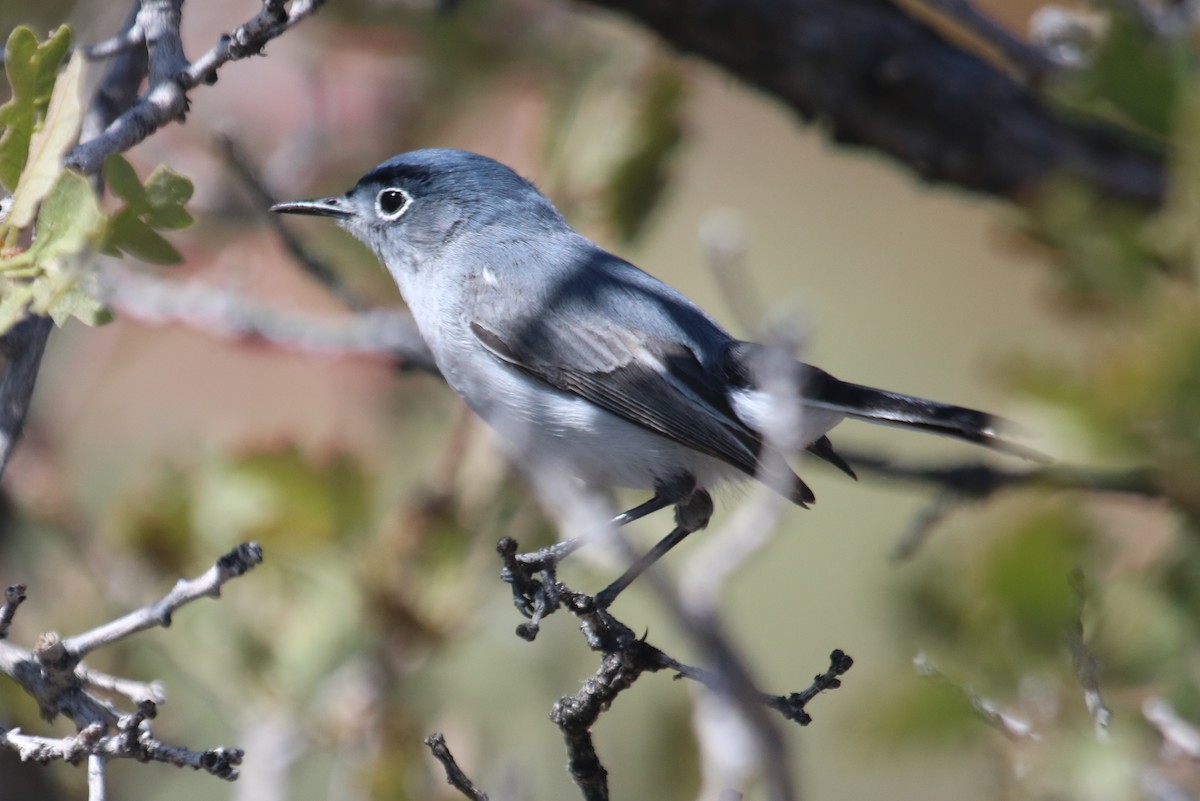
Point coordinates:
[(821, 390), (894, 408)]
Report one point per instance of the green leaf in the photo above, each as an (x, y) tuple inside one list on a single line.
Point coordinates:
[(158, 204), (31, 70), (69, 299), (123, 180), (53, 138), (68, 223), (126, 233), (1134, 73), (167, 191), (165, 187), (15, 297), (638, 181)]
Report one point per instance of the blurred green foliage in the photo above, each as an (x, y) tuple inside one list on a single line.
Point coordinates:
[(45, 268), (997, 610)]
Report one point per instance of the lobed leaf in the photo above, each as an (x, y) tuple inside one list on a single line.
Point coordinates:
[(49, 144), (31, 68)]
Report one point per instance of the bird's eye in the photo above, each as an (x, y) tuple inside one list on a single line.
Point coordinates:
[(391, 203)]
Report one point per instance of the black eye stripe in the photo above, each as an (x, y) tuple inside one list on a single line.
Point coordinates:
[(392, 202)]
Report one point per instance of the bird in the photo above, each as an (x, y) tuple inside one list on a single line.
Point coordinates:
[(583, 363)]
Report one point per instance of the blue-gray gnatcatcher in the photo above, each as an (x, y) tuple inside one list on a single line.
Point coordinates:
[(583, 363)]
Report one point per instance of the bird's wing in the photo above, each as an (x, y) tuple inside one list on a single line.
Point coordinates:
[(620, 343)]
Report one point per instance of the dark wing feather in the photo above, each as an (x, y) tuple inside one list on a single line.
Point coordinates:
[(662, 388)]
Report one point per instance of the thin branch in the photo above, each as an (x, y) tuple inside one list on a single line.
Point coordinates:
[(116, 121), (166, 100), (262, 199), (97, 787), (1180, 737), (626, 657), (972, 482), (385, 333), (454, 774), (53, 675), (1087, 665), (135, 691), (1011, 726), (233, 564), (137, 744), (14, 596)]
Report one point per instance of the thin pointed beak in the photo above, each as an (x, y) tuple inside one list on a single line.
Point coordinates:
[(335, 207)]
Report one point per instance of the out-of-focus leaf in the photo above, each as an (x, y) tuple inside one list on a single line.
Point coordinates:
[(31, 69), (637, 182), (1106, 256), (123, 180), (1134, 73), (54, 136), (166, 188), (15, 297), (1139, 395), (69, 224), (126, 233), (926, 710), (155, 205), (1027, 578), (72, 300)]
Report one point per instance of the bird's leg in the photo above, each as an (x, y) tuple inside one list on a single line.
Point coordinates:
[(691, 515), (553, 554), (528, 591)]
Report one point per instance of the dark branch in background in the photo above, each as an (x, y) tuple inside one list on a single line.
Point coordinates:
[(22, 347), (973, 482), (262, 200), (882, 79), (53, 674), (116, 121)]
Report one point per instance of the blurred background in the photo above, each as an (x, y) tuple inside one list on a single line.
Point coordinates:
[(378, 615)]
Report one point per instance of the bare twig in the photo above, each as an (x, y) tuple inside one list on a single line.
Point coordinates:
[(385, 333), (454, 774), (166, 99), (1180, 737), (53, 675), (626, 657), (14, 596), (1011, 726), (1087, 666), (972, 482), (233, 564), (262, 198), (97, 786)]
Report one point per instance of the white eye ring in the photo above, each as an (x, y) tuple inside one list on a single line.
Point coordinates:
[(390, 203)]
